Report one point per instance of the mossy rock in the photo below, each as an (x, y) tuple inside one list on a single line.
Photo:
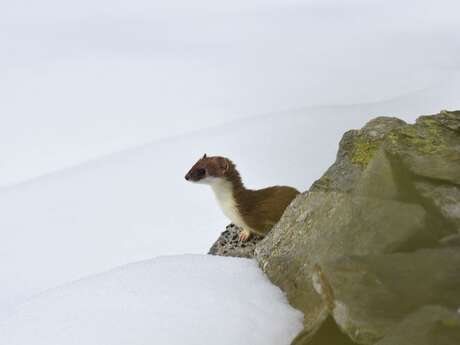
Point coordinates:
[(356, 150), (430, 148), (429, 325), (394, 187), (429, 154), (371, 294), (319, 226)]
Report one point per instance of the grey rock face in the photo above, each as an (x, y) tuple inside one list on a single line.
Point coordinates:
[(394, 188), (430, 325), (228, 244), (356, 149), (371, 294), (327, 334), (429, 155), (322, 226)]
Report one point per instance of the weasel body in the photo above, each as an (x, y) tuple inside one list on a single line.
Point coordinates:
[(254, 211)]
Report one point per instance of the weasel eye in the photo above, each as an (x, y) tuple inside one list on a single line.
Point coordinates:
[(200, 172)]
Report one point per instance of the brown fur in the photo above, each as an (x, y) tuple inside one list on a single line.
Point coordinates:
[(260, 209), (263, 208)]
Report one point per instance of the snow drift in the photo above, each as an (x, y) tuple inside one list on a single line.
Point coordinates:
[(189, 299)]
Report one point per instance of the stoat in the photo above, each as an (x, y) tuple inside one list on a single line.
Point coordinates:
[(254, 211)]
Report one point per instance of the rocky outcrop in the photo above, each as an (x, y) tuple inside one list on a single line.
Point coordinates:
[(374, 246), (356, 149), (431, 325), (394, 188), (369, 295)]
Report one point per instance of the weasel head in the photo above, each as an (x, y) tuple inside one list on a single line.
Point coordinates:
[(209, 170)]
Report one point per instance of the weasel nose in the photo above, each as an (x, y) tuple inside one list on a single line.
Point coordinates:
[(187, 177)]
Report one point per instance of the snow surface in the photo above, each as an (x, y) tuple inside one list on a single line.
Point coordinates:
[(187, 299), (85, 78)]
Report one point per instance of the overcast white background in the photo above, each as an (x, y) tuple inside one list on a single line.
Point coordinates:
[(79, 79)]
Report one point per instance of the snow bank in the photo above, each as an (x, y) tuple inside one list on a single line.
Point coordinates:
[(92, 77), (187, 299)]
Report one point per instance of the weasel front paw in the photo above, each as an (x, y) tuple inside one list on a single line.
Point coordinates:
[(244, 235)]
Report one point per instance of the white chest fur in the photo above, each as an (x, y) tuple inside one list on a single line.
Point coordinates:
[(224, 195)]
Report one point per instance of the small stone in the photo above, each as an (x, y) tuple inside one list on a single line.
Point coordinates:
[(228, 244)]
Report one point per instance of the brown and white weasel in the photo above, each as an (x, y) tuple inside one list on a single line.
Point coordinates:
[(254, 211)]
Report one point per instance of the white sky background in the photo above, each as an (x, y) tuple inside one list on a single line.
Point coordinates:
[(85, 78)]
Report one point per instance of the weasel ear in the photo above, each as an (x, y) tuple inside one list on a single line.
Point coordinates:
[(204, 156), (223, 163)]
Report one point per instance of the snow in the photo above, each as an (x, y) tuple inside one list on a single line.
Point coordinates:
[(91, 77), (186, 299)]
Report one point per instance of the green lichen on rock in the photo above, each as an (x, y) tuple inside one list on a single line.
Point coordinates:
[(356, 150), (425, 136), (363, 150)]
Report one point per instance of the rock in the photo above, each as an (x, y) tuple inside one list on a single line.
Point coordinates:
[(393, 188), (429, 154), (228, 244), (356, 150), (327, 334), (443, 198), (450, 241), (371, 294), (430, 325), (319, 226)]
